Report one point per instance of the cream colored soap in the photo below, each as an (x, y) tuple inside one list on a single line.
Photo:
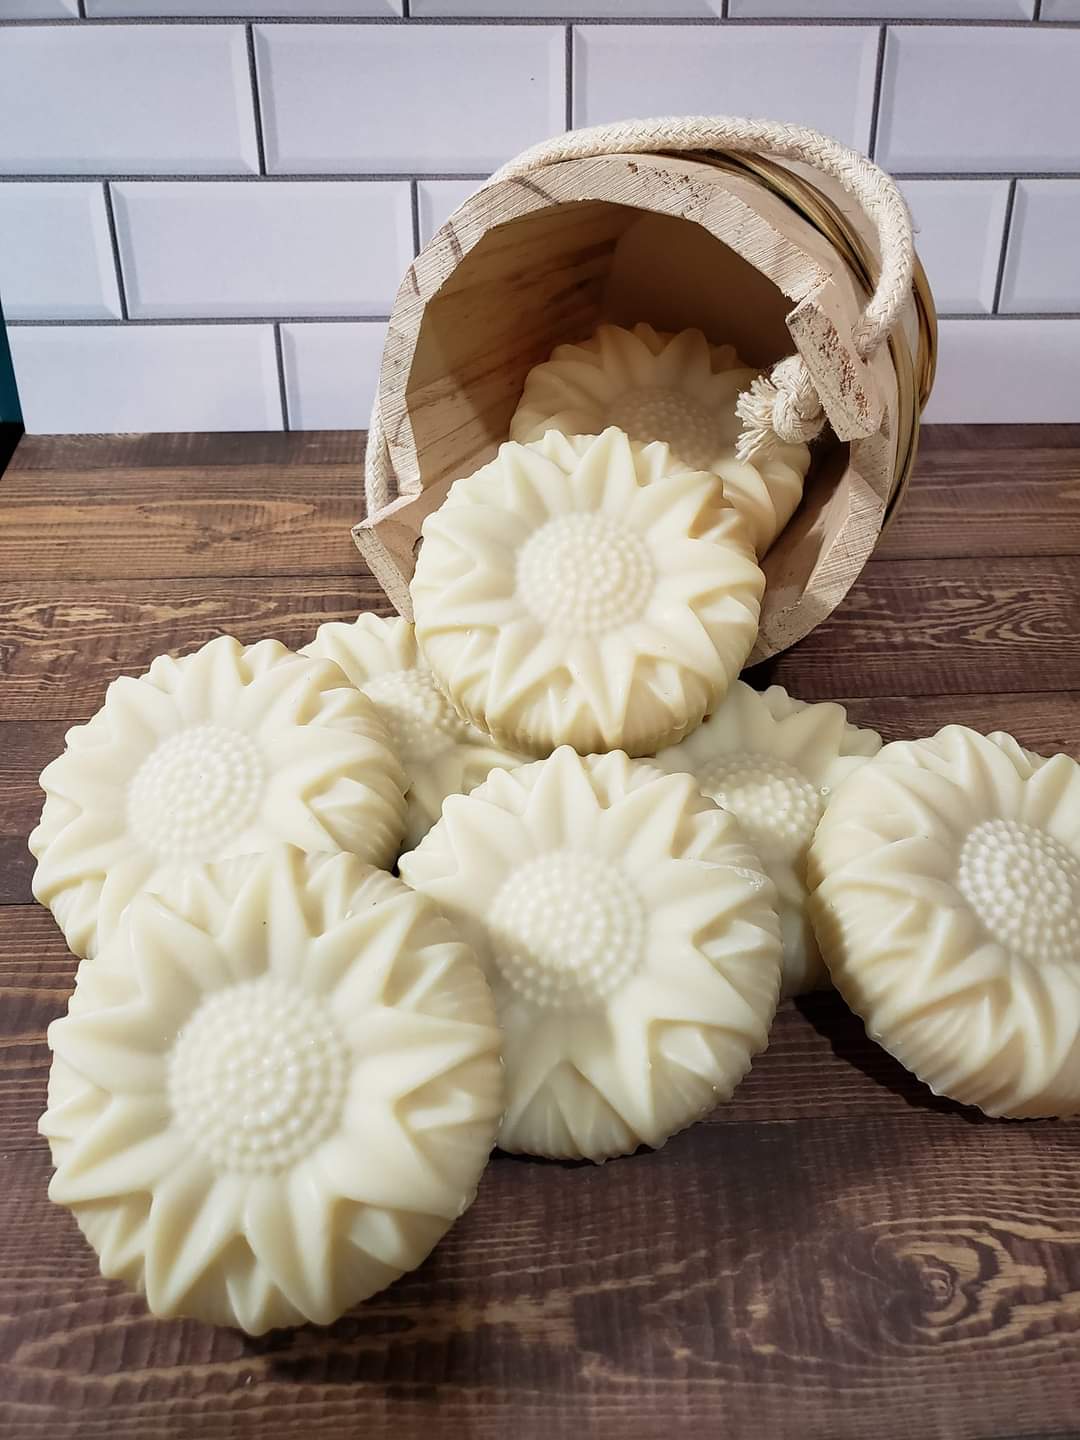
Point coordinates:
[(275, 1089), (586, 592), (442, 754), (629, 935), (674, 388), (224, 752), (774, 762), (946, 900)]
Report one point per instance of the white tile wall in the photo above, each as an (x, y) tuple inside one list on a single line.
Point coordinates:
[(438, 199), (1042, 268), (1022, 371), (959, 229), (980, 98), (818, 75), (887, 9), (231, 248), (75, 378), (347, 91), (103, 9), (56, 257), (38, 9), (394, 98), (331, 372), (136, 99)]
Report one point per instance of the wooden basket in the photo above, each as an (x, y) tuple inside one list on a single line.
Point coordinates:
[(766, 252)]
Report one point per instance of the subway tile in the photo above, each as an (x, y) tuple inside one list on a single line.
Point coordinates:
[(959, 228), (1042, 267), (56, 260), (290, 247), (126, 99), (571, 9), (39, 10), (1006, 371), (391, 98), (78, 378), (331, 374), (882, 9), (438, 199), (1060, 10), (816, 75), (291, 9), (980, 98)]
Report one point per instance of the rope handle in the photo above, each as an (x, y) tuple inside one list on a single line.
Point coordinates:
[(783, 406)]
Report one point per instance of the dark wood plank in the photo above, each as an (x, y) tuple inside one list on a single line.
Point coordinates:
[(834, 1278), (182, 521), (930, 627), (184, 450), (988, 495), (1045, 723), (64, 641)]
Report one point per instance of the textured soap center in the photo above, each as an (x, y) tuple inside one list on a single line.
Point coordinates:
[(421, 721), (584, 574), (1024, 885), (655, 412), (775, 804), (567, 930), (257, 1076), (195, 791)]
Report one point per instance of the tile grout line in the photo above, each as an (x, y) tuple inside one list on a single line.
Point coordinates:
[(1036, 14), (82, 9), (530, 21), (69, 322), (114, 242), (392, 177), (282, 393), (253, 70), (414, 207), (1006, 227), (879, 75), (568, 79)]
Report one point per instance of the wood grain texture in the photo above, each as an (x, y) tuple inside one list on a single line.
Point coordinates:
[(835, 1255)]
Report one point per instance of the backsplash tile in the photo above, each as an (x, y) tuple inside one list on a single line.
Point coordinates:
[(960, 225), (438, 199), (285, 248), (75, 378), (1042, 268), (125, 99), (1021, 371), (334, 98), (56, 259), (353, 107), (980, 98), (818, 75), (331, 373), (292, 8)]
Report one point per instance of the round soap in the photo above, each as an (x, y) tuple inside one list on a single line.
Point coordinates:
[(946, 900), (675, 388), (275, 1089), (774, 761), (224, 752), (586, 592), (630, 939), (442, 754)]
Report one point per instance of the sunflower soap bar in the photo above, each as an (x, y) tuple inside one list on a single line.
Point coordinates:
[(224, 752), (586, 591), (275, 1089), (774, 762), (946, 900), (442, 754), (674, 388), (630, 938)]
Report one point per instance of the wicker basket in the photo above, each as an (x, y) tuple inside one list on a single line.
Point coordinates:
[(763, 250)]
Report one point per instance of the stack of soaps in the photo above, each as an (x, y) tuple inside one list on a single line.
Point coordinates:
[(283, 1067)]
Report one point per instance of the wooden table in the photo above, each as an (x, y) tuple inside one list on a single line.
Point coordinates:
[(834, 1254)]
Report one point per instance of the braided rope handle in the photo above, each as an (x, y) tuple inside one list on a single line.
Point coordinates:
[(783, 406)]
